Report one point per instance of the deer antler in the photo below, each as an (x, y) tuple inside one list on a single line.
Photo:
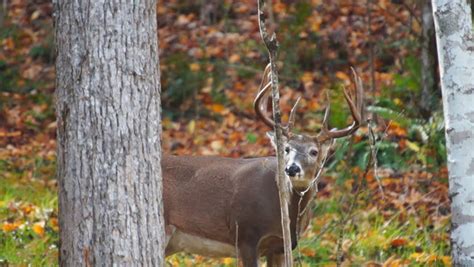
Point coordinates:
[(259, 110), (355, 108), (265, 85)]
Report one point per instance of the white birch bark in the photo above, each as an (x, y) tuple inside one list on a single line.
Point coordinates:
[(108, 114), (456, 56)]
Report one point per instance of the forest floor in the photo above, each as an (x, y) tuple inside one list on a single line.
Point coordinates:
[(211, 66)]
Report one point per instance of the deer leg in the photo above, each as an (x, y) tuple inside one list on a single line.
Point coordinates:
[(275, 260), (248, 254)]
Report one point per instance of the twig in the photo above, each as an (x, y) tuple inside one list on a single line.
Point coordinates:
[(412, 12), (236, 244), (373, 153), (349, 213), (283, 184), (255, 70), (371, 48)]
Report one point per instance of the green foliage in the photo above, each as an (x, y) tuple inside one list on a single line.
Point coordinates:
[(8, 77), (251, 138), (425, 143), (42, 52)]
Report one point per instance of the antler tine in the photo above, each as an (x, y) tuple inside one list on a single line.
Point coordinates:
[(355, 108), (264, 87), (359, 86), (291, 119), (326, 113), (323, 134)]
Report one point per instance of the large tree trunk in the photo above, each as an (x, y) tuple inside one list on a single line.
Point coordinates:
[(108, 114), (456, 56)]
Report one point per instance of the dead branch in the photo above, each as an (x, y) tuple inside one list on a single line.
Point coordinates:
[(283, 183)]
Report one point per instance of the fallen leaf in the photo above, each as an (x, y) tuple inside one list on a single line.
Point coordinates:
[(38, 228), (398, 242), (8, 227)]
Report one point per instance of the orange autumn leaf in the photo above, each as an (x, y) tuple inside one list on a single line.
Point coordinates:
[(217, 108), (38, 228), (8, 43), (54, 224), (308, 252), (398, 242), (396, 129), (10, 134), (27, 209), (9, 227), (279, 7), (234, 58)]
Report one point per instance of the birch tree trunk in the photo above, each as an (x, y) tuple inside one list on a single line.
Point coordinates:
[(454, 35), (108, 114)]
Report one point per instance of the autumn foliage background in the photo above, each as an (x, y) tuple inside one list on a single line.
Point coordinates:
[(211, 59)]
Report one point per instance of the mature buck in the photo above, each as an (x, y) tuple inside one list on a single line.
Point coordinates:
[(226, 207)]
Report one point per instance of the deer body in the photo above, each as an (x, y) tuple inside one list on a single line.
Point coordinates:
[(214, 203), (217, 206)]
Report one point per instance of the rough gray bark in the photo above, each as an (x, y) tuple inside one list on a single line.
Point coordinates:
[(454, 35), (428, 54), (108, 114)]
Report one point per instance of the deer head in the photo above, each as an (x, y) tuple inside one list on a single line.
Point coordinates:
[(306, 154)]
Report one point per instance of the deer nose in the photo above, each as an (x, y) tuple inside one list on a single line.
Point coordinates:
[(292, 170)]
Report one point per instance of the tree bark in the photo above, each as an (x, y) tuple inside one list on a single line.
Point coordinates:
[(108, 115), (454, 36), (428, 56)]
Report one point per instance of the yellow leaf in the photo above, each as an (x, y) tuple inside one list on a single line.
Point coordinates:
[(194, 67), (417, 256), (446, 260), (191, 126), (431, 258), (397, 101), (38, 228), (228, 261), (343, 76), (35, 15), (412, 146), (307, 77)]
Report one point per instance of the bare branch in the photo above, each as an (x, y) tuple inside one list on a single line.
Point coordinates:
[(282, 181)]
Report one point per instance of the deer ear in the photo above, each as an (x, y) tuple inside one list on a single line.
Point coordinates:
[(272, 137)]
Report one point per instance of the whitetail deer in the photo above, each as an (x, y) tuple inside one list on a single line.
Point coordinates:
[(216, 206)]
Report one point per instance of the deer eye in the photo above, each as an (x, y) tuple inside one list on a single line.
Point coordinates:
[(313, 152), (287, 150)]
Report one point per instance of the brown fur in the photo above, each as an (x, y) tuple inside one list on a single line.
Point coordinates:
[(208, 196)]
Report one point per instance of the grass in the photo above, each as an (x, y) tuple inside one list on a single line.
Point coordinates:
[(376, 230), (28, 213)]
